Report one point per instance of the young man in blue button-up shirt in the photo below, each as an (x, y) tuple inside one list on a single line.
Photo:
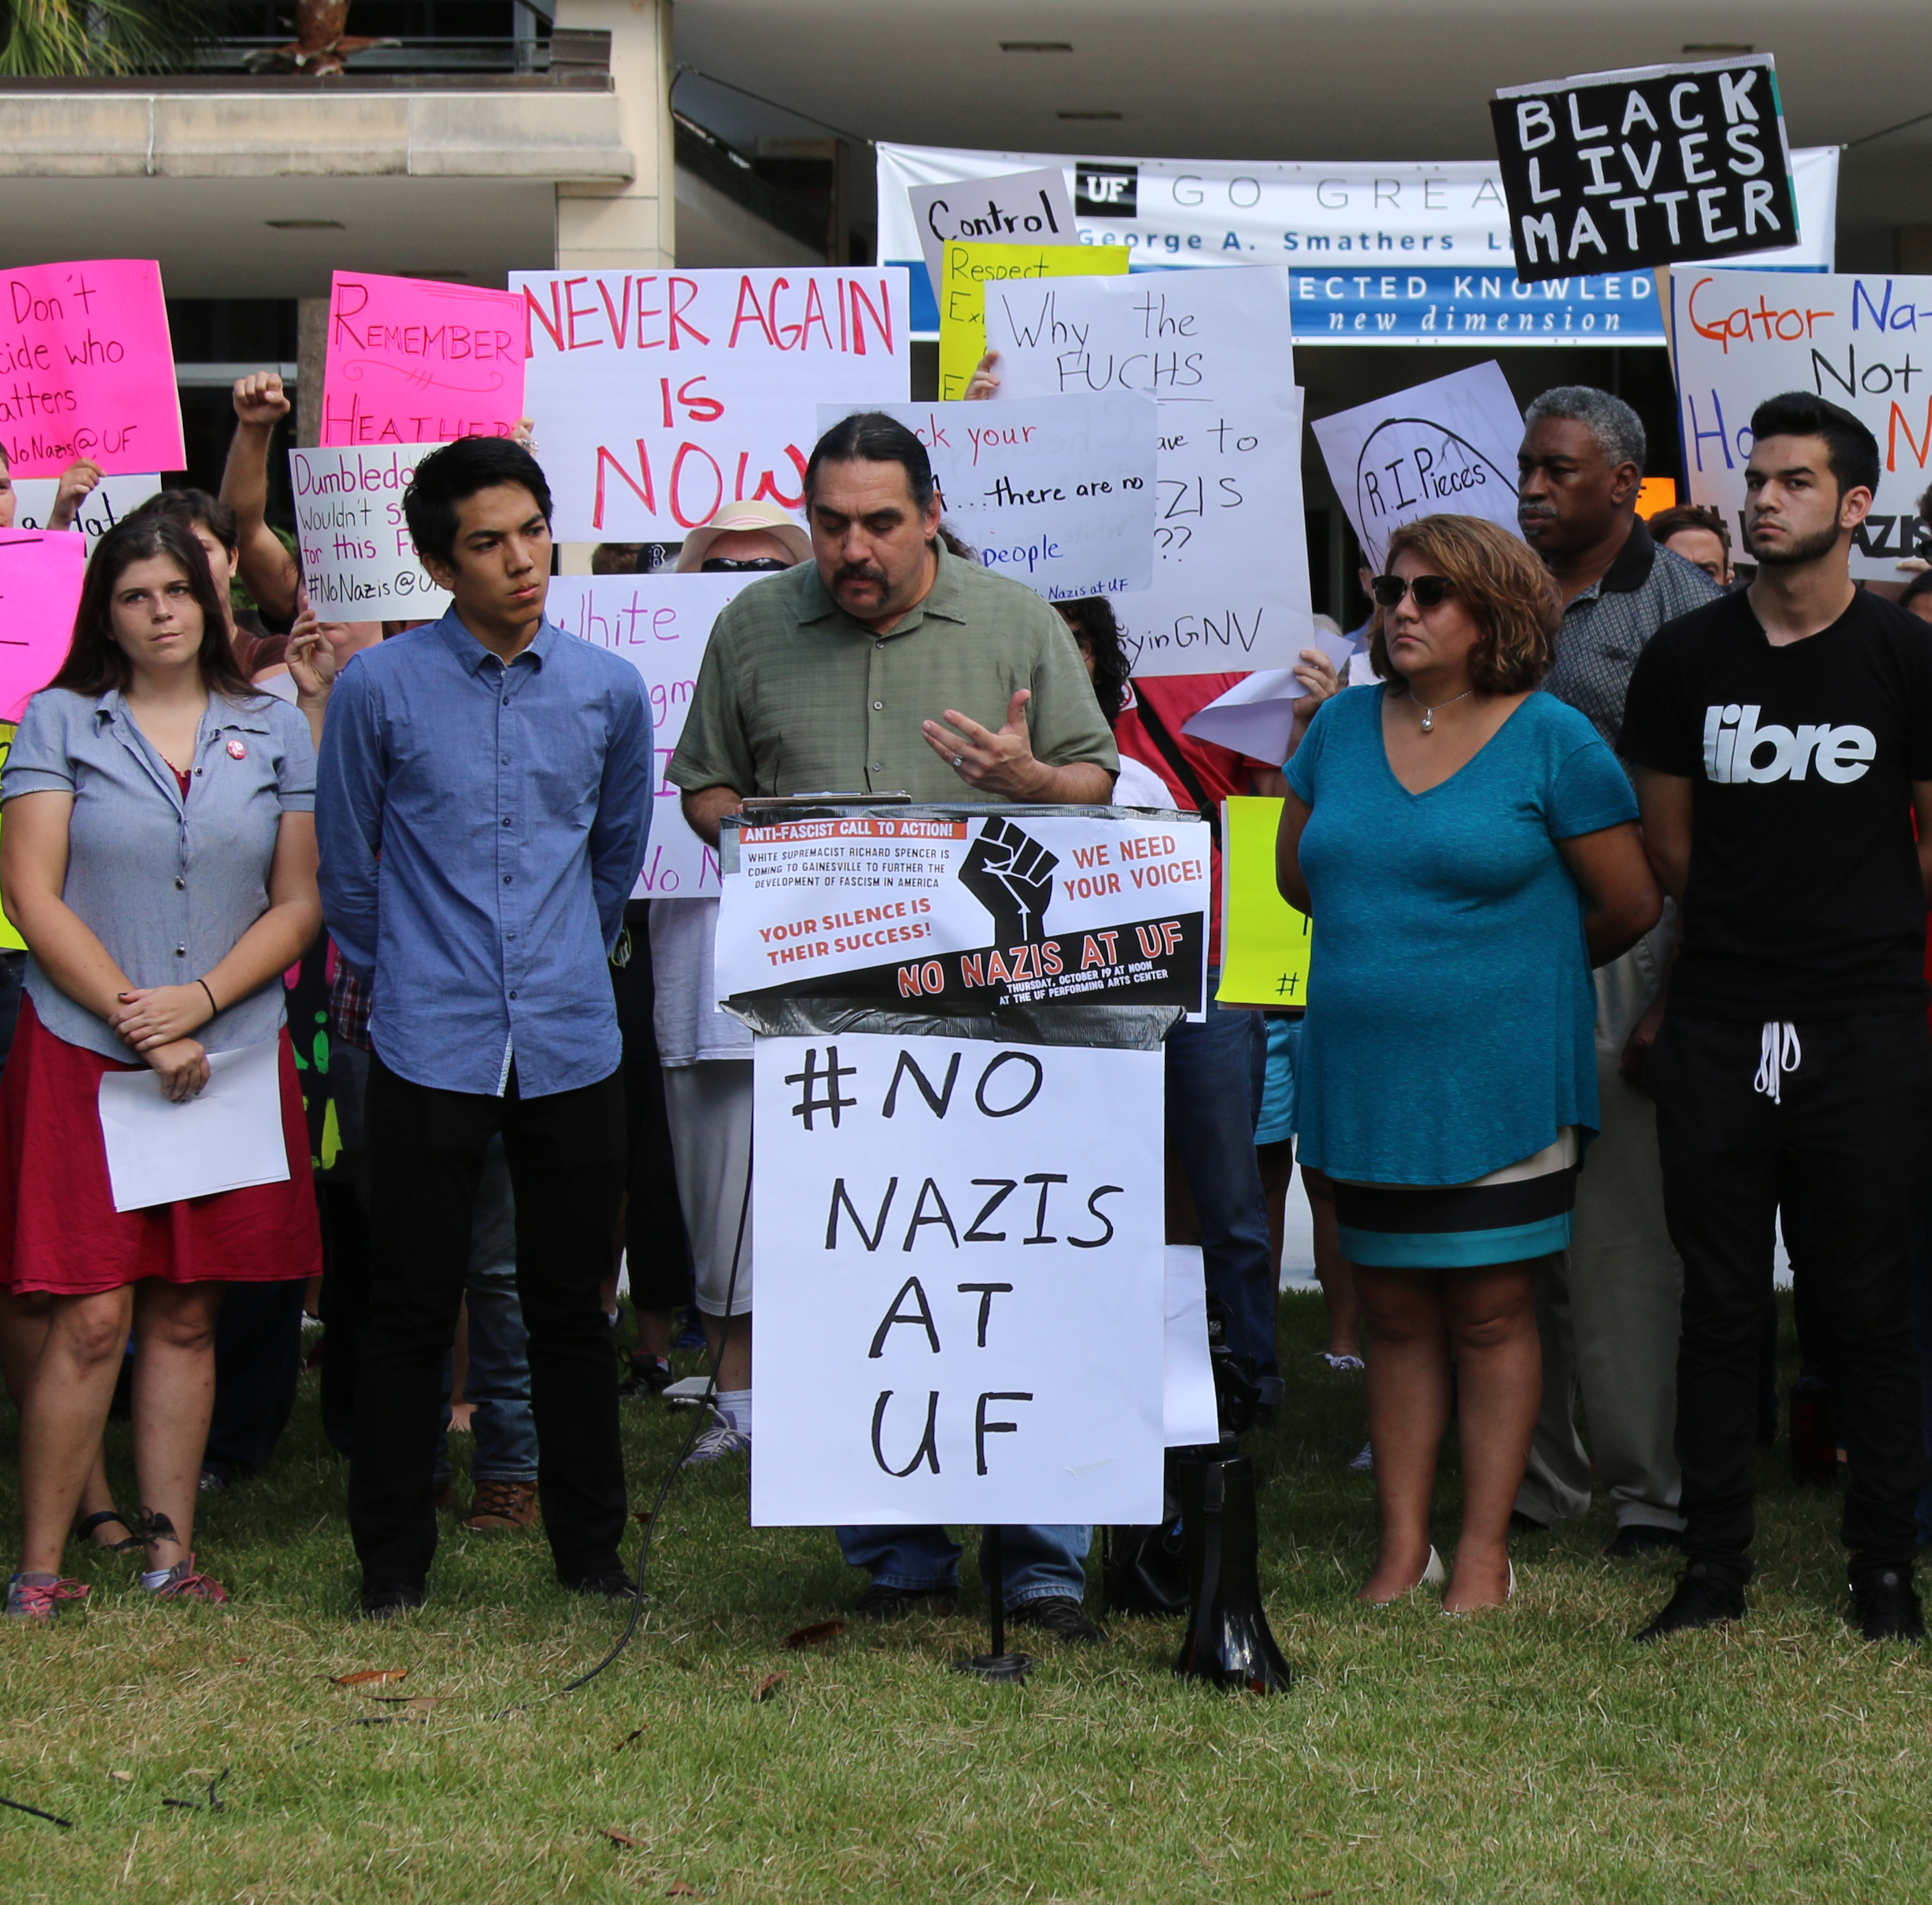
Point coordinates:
[(482, 805)]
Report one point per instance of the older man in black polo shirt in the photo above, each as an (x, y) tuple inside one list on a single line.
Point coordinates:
[(1609, 1310)]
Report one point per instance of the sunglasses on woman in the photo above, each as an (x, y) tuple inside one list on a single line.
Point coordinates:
[(1429, 591), (741, 565)]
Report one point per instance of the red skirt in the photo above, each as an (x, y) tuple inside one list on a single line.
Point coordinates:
[(59, 1230)]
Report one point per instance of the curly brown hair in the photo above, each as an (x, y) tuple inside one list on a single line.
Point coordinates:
[(1501, 582)]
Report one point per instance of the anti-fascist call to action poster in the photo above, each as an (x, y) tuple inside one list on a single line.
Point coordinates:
[(953, 909)]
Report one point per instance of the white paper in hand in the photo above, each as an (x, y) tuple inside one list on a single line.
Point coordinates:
[(1256, 715), (230, 1136)]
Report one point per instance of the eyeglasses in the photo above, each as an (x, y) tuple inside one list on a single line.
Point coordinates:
[(1429, 591), (735, 565)]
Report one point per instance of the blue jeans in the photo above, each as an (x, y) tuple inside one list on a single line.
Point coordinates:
[(1036, 1562), (1215, 1075), (499, 1381)]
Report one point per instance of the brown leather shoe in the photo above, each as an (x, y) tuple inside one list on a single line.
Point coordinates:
[(501, 1505)]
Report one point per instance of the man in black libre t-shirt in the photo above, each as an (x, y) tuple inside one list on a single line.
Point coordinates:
[(1782, 740)]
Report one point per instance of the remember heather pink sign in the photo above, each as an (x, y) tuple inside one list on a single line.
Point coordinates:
[(410, 361)]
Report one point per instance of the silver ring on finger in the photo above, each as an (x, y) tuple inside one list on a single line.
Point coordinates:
[(958, 762)]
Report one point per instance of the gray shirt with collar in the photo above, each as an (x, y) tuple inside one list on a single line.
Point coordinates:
[(167, 885), (1605, 628)]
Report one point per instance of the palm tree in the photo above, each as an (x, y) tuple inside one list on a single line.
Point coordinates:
[(104, 38)]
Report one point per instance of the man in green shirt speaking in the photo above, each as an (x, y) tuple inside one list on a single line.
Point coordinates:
[(891, 663)]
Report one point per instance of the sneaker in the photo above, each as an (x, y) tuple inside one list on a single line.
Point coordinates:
[(717, 1442), (650, 1375), (213, 1481), (501, 1504), (1706, 1597), (1642, 1538), (184, 1584), (40, 1600), (1058, 1615), (1364, 1463), (381, 1604), (1343, 1365), (1884, 1606), (880, 1602)]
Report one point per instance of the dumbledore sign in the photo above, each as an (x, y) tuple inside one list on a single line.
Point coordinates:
[(960, 1247), (1609, 171)]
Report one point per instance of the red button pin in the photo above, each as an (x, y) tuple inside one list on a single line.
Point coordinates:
[(238, 750)]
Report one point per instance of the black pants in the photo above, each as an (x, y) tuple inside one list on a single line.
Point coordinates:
[(657, 1254), (1847, 1141), (566, 1157), (257, 1365)]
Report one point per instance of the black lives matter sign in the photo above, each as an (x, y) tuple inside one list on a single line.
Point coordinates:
[(1613, 171)]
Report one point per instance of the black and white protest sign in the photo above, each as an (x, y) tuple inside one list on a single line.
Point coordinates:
[(1019, 208), (359, 559), (1606, 171), (1444, 447), (950, 910), (1230, 588), (1058, 494), (960, 1252)]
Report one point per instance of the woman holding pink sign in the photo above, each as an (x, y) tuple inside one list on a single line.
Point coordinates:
[(158, 858)]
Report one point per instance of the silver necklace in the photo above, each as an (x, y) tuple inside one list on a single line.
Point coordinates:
[(1428, 714)]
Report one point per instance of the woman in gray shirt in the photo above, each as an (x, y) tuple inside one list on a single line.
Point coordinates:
[(159, 859)]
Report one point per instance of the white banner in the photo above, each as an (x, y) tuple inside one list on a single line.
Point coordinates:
[(103, 506), (960, 1282), (1390, 253), (1231, 568), (1448, 447), (1058, 494), (955, 910), (658, 396), (660, 625), (1739, 337), (358, 560)]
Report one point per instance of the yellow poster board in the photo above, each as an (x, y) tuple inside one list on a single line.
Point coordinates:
[(969, 268), (1264, 941)]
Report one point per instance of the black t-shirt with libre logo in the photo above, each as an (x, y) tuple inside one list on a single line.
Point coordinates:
[(1804, 899)]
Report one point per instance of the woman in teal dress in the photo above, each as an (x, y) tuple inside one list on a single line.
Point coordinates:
[(1466, 848)]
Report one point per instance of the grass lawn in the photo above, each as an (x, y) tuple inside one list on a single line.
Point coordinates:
[(1535, 1754)]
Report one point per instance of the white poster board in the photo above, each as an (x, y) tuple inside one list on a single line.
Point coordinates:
[(659, 395), (1231, 567), (1057, 493), (960, 1282), (1738, 337), (660, 625), (1189, 1412), (359, 560), (1018, 208), (957, 910), (104, 505), (1444, 448)]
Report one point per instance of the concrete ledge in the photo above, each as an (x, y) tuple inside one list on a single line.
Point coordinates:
[(576, 136), (539, 133)]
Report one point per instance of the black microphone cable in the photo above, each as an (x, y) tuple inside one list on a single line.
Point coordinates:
[(704, 1409)]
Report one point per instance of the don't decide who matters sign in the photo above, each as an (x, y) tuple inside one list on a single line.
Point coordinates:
[(959, 1246)]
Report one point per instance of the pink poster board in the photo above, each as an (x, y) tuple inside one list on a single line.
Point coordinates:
[(410, 361), (39, 590), (87, 368)]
